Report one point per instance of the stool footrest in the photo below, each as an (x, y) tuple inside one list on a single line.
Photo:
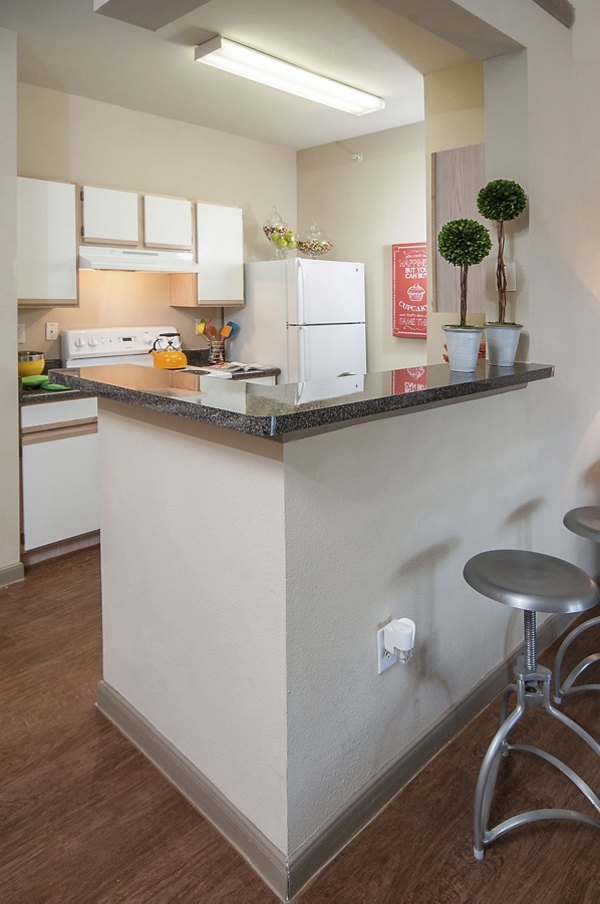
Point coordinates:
[(530, 816)]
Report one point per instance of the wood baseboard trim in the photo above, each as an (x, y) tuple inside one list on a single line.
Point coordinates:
[(288, 876), (269, 862), (10, 574), (61, 548)]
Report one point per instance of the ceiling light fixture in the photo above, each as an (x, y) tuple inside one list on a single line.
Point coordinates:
[(222, 53)]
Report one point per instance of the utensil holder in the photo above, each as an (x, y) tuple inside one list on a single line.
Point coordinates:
[(216, 350)]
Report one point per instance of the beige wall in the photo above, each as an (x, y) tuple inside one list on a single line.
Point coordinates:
[(365, 207), (73, 139), (9, 446), (454, 107)]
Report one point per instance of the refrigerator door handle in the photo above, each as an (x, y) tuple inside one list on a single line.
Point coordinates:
[(301, 291), (301, 355)]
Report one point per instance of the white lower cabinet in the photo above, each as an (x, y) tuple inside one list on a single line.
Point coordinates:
[(59, 471)]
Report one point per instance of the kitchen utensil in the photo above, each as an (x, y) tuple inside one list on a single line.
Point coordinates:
[(41, 381), (30, 363), (235, 328), (33, 381), (167, 353)]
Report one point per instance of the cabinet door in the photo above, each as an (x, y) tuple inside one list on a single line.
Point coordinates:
[(46, 242), (109, 215), (167, 222), (220, 254), (59, 471)]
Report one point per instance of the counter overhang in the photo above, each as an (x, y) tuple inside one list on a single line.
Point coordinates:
[(293, 408)]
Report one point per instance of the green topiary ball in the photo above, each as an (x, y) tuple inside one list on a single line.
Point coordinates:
[(501, 200), (464, 242)]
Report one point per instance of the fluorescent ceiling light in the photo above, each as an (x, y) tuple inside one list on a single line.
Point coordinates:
[(222, 53)]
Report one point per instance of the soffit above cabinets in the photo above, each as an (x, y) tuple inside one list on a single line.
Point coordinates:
[(151, 14)]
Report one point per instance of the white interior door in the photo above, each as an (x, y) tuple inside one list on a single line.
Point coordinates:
[(319, 351)]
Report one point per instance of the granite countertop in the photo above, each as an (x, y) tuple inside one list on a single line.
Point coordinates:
[(197, 357), (273, 411)]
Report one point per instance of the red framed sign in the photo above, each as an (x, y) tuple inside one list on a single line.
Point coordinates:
[(409, 290)]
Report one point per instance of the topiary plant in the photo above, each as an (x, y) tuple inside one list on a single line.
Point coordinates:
[(464, 243), (501, 200)]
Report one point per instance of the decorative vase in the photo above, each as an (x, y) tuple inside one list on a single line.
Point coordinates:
[(502, 342), (463, 347), (315, 243)]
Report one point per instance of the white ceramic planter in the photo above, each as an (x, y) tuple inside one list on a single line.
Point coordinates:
[(463, 347), (502, 341)]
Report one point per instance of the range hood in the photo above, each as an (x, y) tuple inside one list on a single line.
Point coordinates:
[(147, 260)]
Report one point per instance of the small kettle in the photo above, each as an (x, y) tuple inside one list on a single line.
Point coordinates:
[(167, 352)]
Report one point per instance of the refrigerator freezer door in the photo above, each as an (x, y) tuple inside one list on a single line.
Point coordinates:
[(326, 292), (319, 351)]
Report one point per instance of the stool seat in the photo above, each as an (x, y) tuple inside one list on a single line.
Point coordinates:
[(531, 581), (584, 521)]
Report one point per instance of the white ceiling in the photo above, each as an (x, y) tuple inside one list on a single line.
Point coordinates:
[(65, 45)]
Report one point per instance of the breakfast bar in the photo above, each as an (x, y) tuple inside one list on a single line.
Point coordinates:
[(275, 411), (253, 541)]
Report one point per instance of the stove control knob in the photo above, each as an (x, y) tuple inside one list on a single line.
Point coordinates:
[(92, 342), (79, 342), (148, 338)]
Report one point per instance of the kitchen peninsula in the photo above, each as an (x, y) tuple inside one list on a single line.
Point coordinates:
[(254, 538)]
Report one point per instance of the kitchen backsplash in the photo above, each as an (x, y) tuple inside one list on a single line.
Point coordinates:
[(112, 299)]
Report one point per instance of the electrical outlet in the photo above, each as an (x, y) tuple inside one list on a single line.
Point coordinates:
[(21, 334), (384, 659), (51, 331)]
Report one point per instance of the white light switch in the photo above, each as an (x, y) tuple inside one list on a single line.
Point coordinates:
[(21, 334)]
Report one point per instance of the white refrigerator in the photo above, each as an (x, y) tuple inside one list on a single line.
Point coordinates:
[(306, 317)]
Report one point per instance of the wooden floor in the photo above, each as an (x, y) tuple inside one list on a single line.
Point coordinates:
[(84, 818)]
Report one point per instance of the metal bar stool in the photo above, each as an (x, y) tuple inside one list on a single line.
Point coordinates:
[(534, 583), (585, 522)]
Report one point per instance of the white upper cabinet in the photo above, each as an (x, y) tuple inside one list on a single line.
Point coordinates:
[(46, 241), (220, 239), (110, 216), (168, 222)]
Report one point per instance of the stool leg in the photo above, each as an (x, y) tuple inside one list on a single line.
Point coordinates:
[(569, 723), (510, 689), (486, 781), (566, 688)]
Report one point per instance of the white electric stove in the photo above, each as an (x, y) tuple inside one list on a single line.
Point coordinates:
[(110, 345)]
